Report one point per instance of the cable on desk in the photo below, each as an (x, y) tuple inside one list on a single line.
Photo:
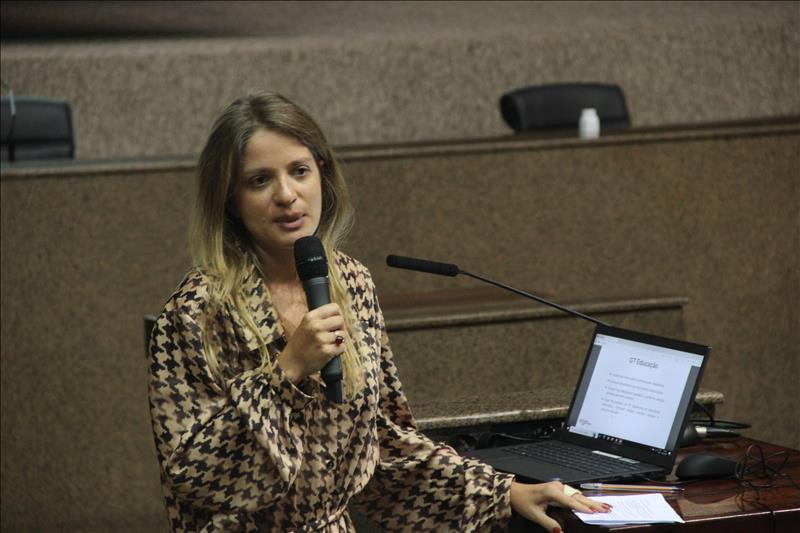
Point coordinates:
[(753, 467), (742, 500), (493, 439), (712, 422)]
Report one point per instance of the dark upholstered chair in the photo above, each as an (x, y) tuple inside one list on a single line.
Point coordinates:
[(558, 106), (39, 129), (149, 323)]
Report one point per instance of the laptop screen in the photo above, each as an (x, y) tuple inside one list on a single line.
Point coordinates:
[(634, 394)]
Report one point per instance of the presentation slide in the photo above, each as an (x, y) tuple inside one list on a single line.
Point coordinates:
[(634, 394)]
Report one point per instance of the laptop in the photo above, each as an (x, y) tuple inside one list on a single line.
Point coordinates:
[(627, 414)]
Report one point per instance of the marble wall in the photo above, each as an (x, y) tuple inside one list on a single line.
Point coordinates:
[(377, 73), (711, 215)]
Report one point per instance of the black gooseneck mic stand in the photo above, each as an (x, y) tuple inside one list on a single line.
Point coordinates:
[(449, 269), (692, 433)]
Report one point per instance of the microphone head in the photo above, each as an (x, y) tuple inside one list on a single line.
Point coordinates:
[(309, 258), (422, 265)]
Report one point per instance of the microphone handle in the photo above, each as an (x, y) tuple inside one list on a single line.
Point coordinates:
[(317, 292), (317, 295)]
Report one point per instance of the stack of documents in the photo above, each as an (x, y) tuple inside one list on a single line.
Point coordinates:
[(633, 509)]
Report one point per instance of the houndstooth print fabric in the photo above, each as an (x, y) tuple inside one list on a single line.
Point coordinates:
[(261, 454)]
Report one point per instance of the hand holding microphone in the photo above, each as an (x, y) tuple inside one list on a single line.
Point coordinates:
[(317, 340), (321, 331)]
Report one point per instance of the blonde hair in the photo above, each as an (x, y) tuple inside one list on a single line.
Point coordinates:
[(221, 245)]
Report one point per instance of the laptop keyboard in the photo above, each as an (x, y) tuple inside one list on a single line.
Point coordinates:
[(574, 457)]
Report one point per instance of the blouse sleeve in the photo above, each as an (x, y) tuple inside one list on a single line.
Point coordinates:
[(222, 448), (420, 485)]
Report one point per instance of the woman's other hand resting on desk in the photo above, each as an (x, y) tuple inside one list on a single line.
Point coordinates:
[(531, 501)]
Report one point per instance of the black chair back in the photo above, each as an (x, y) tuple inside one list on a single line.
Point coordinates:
[(558, 106), (149, 323), (39, 128)]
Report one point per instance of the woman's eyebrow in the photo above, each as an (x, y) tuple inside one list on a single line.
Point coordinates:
[(268, 170), (257, 170)]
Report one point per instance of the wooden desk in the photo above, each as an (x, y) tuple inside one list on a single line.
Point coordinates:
[(715, 506)]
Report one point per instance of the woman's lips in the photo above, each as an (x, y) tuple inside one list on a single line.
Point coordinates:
[(290, 222)]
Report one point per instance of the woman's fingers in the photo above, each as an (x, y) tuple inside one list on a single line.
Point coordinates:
[(580, 503), (544, 520), (333, 323), (593, 504), (570, 498), (315, 341), (326, 311), (325, 319), (531, 501), (572, 502)]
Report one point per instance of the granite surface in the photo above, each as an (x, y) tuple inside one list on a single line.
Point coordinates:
[(393, 72), (710, 215), (490, 359)]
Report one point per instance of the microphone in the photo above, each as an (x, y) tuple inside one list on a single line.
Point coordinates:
[(449, 269), (312, 268), (693, 434), (422, 265)]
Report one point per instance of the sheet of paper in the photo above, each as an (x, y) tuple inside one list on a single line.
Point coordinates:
[(632, 509)]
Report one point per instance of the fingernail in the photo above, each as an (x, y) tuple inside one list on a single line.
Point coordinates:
[(557, 530), (606, 506)]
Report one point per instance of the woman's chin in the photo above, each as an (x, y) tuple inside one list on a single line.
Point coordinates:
[(291, 237)]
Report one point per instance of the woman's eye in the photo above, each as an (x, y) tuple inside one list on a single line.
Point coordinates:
[(259, 180), (302, 171)]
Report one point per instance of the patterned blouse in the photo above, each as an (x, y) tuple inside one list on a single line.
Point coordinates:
[(263, 454)]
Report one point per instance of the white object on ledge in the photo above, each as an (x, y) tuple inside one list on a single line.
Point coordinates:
[(589, 124)]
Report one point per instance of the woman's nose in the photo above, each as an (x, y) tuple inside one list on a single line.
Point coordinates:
[(285, 194)]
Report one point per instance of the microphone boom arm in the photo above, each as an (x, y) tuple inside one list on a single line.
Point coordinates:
[(532, 296)]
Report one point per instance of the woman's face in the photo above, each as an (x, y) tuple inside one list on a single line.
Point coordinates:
[(279, 198)]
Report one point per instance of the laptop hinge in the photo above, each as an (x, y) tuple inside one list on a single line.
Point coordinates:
[(615, 456)]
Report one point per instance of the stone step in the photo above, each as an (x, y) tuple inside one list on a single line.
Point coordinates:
[(485, 347)]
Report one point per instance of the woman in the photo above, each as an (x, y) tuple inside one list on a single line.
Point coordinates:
[(246, 439)]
